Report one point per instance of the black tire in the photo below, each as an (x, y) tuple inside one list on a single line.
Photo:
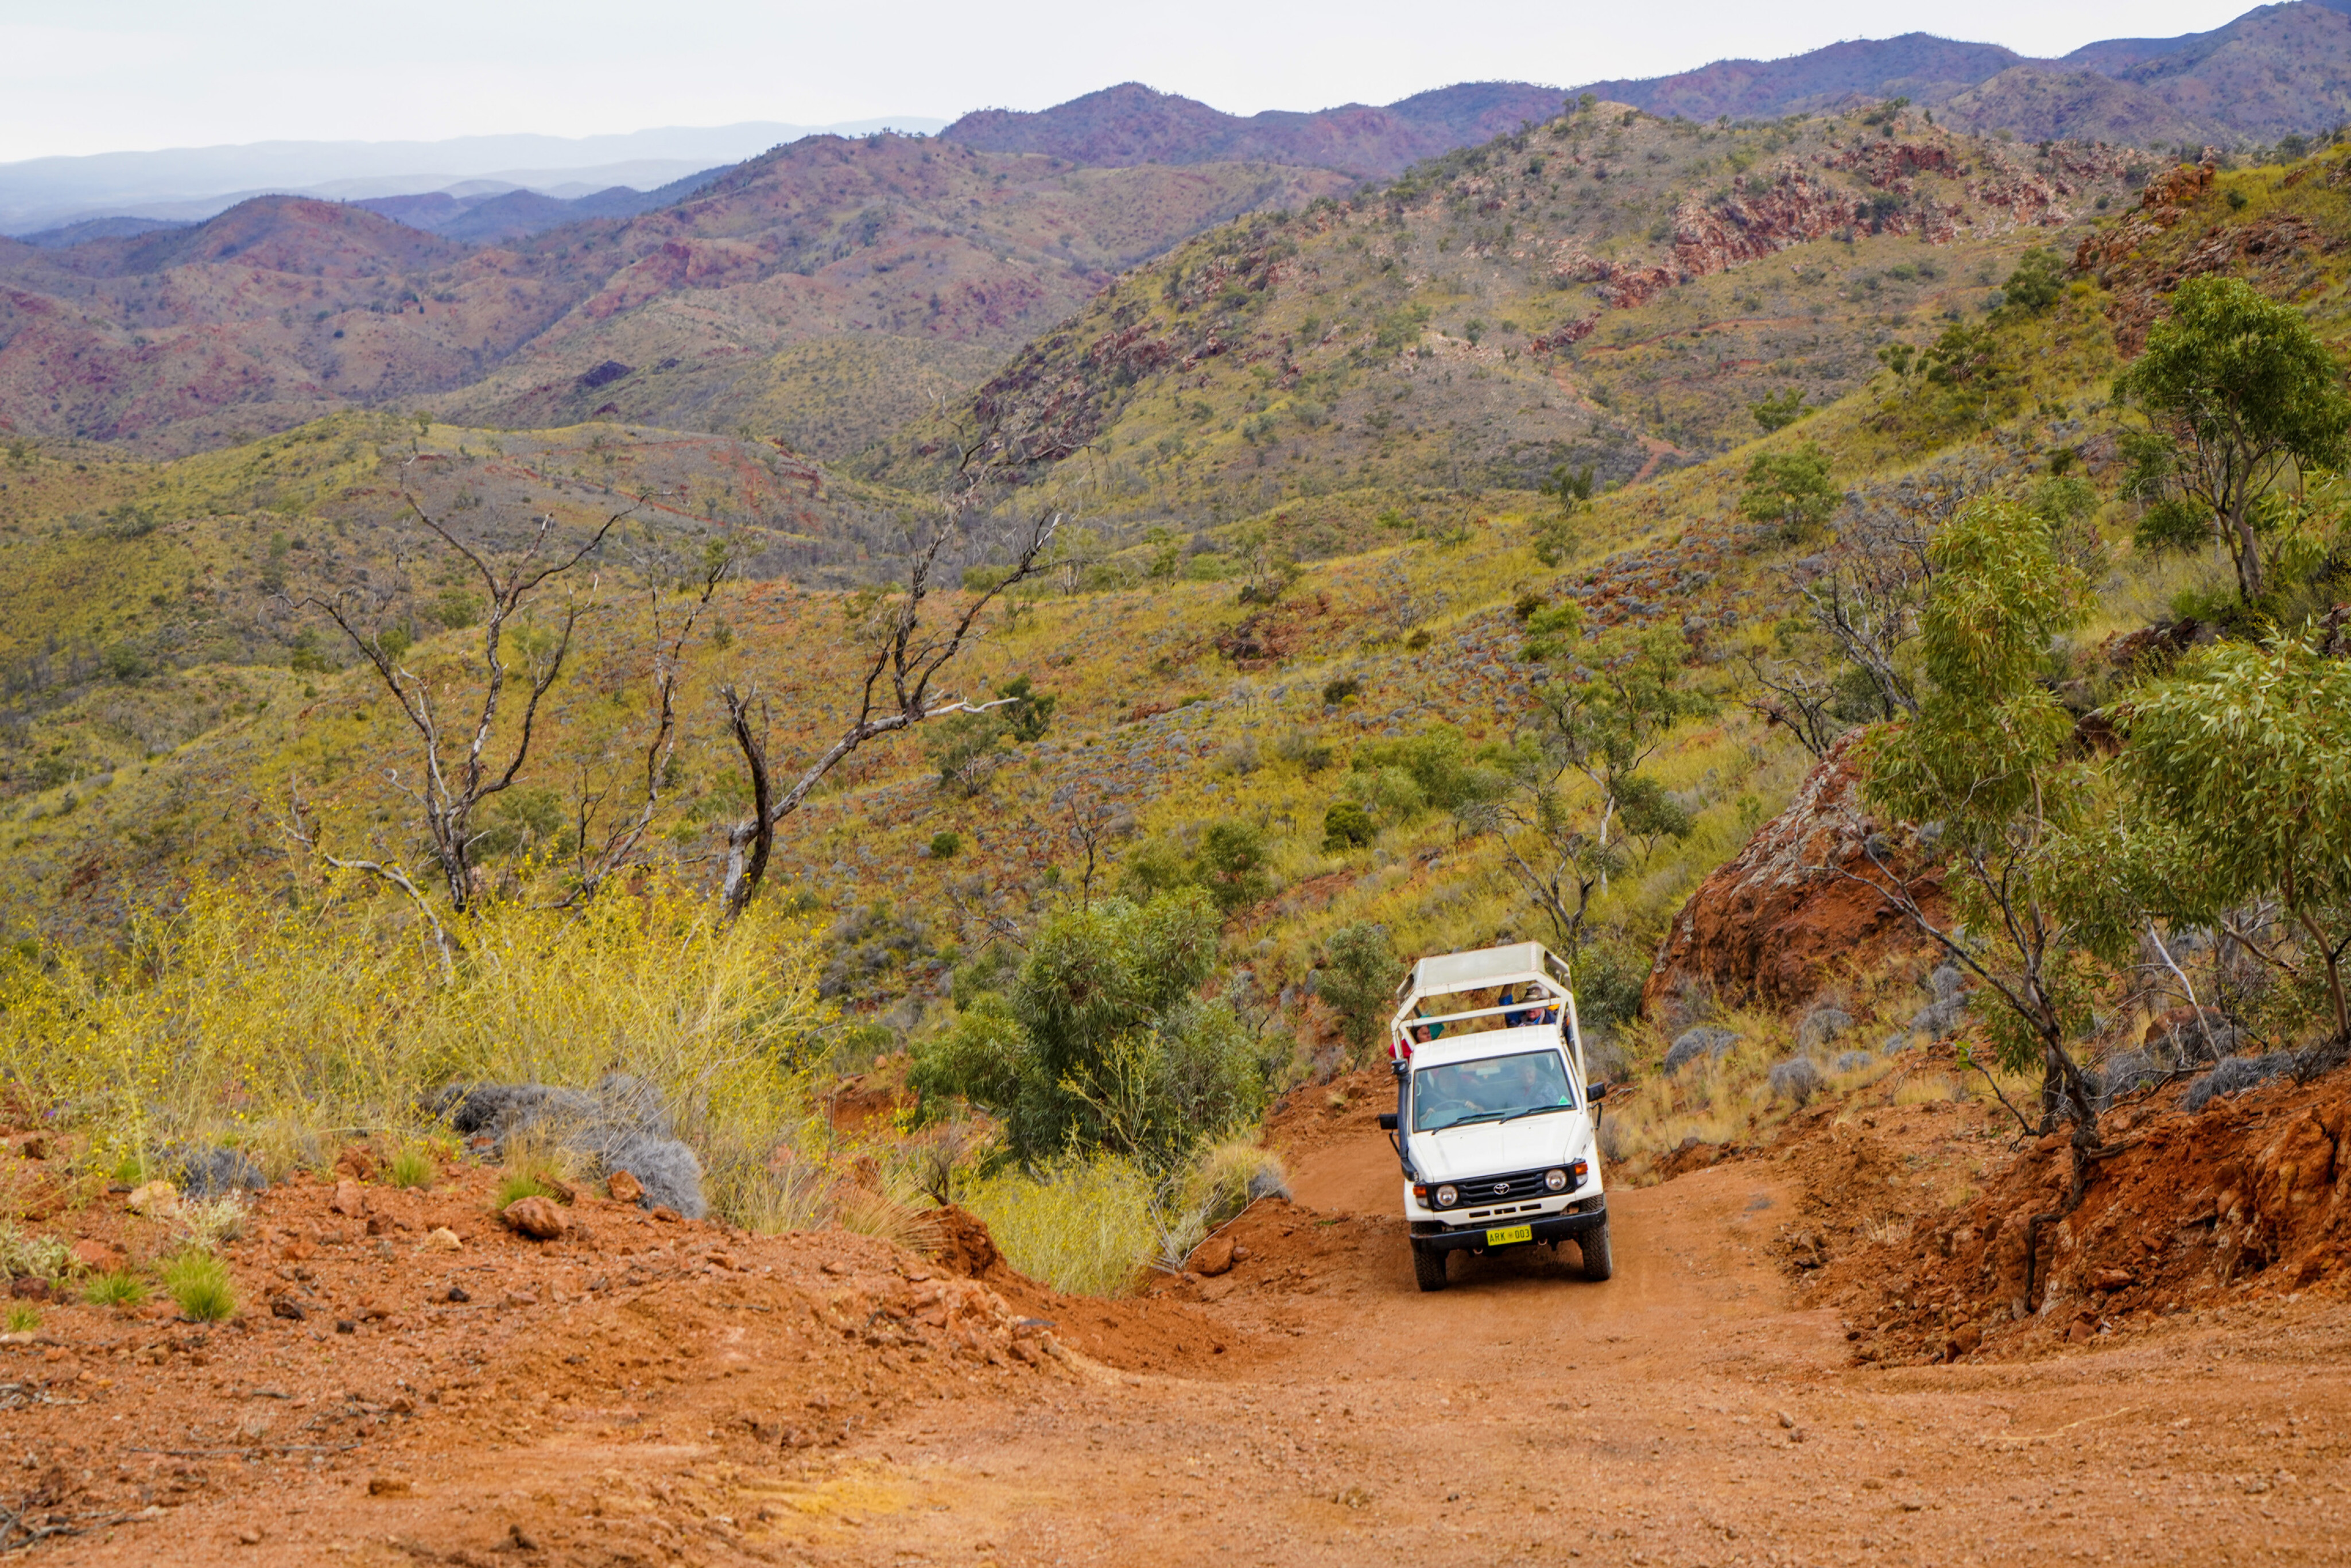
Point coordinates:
[(1429, 1268), (1597, 1263)]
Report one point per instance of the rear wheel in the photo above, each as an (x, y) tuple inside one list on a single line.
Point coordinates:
[(1597, 1264), (1429, 1268)]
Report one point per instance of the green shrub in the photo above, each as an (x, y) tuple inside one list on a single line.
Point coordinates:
[(198, 1282), (115, 1288), (516, 1186), (1346, 826), (1358, 981), (1433, 759), (1102, 1040), (412, 1167), (945, 844)]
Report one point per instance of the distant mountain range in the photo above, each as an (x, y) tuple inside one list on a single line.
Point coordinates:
[(192, 183), (1128, 124), (2273, 72)]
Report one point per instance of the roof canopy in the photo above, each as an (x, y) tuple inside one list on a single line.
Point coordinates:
[(1486, 966)]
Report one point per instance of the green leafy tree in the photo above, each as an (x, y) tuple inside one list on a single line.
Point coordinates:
[(1231, 864), (2240, 395), (1791, 490), (1102, 1039), (1965, 356), (1358, 980), (1554, 537), (1605, 710), (1027, 712), (2241, 760), (2037, 282), (1987, 754), (1777, 413)]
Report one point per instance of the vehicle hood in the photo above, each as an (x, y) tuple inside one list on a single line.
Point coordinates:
[(1492, 1148)]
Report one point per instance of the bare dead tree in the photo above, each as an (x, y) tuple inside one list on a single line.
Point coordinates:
[(1843, 659), (1091, 824), (898, 691), (1547, 852), (908, 655), (623, 841), (456, 771), (299, 828)]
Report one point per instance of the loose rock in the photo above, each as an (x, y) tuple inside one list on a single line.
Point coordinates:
[(540, 1218), (155, 1199), (1213, 1255)]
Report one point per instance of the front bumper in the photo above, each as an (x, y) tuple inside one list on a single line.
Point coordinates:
[(1549, 1227)]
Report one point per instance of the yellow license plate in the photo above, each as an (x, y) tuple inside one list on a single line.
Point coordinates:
[(1509, 1233)]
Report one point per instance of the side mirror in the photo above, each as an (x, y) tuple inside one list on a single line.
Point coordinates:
[(1597, 1092), (1387, 1121)]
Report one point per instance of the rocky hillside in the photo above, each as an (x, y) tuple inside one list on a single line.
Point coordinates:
[(1611, 289), (890, 266)]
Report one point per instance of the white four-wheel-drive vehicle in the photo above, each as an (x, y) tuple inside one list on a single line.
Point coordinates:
[(1496, 1117)]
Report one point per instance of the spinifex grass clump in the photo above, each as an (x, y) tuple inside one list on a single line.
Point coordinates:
[(412, 1167), (198, 1282), (23, 1317), (238, 1016), (1085, 1226), (115, 1288)]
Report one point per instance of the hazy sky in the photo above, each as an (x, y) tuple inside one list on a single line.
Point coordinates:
[(90, 76)]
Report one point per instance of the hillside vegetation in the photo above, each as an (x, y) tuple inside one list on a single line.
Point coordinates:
[(905, 254), (1610, 292), (1302, 694)]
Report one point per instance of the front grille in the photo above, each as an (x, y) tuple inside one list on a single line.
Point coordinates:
[(1486, 1190)]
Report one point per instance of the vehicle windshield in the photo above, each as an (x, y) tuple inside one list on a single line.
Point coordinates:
[(1491, 1089)]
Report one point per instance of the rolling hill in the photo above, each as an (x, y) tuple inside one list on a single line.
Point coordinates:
[(895, 266), (1611, 289)]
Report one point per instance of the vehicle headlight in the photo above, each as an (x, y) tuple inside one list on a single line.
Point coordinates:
[(1556, 1180), (1446, 1197)]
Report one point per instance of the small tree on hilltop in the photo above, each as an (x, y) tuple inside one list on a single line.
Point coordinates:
[(2240, 396)]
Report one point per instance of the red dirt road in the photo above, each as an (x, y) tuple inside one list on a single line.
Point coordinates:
[(1683, 1413)]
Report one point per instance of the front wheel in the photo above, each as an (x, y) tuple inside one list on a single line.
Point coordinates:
[(1597, 1264), (1429, 1268)]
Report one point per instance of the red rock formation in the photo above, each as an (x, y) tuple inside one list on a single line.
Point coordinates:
[(1781, 919)]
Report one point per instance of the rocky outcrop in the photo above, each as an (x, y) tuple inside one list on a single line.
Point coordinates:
[(1789, 913)]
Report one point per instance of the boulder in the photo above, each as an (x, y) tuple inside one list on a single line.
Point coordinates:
[(154, 1199), (1213, 1255), (540, 1218), (625, 1187), (348, 1201), (1784, 916)]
